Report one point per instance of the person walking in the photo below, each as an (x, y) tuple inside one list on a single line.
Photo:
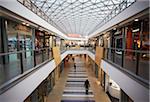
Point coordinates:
[(73, 59), (86, 85), (74, 67)]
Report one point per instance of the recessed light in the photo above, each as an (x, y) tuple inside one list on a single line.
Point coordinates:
[(114, 28), (23, 23), (27, 24), (136, 20)]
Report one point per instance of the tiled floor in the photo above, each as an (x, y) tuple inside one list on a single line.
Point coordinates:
[(70, 86), (74, 90)]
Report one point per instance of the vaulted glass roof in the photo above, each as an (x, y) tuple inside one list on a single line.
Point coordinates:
[(80, 16)]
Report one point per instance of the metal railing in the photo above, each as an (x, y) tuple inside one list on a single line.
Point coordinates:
[(134, 61), (90, 48), (13, 64)]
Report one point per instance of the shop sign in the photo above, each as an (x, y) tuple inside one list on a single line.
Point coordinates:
[(21, 29), (14, 28)]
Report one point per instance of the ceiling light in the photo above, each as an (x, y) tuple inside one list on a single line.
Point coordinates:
[(114, 28), (27, 24), (136, 20), (23, 23)]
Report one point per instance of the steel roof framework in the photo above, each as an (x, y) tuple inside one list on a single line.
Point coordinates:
[(78, 16)]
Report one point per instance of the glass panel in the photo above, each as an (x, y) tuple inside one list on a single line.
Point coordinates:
[(144, 56), (21, 42), (38, 56), (45, 53), (130, 61), (118, 58), (109, 54), (28, 41), (144, 65), (29, 61), (10, 69), (10, 63), (12, 43)]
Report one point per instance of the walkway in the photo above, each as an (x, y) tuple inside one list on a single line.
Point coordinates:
[(70, 86)]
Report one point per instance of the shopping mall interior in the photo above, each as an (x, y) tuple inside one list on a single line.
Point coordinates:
[(74, 50)]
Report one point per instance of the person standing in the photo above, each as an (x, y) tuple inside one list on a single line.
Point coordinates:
[(86, 85)]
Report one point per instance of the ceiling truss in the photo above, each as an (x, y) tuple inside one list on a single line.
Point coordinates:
[(79, 16)]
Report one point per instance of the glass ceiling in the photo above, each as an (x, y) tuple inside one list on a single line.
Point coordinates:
[(80, 16)]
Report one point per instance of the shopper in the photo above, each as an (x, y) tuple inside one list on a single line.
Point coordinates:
[(74, 67), (86, 85), (73, 59)]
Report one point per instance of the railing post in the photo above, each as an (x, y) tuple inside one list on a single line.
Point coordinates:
[(122, 60), (42, 55), (137, 63), (113, 55), (107, 53), (21, 62), (48, 52), (34, 56)]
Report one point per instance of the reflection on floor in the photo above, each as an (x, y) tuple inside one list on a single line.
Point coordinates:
[(74, 90), (70, 86)]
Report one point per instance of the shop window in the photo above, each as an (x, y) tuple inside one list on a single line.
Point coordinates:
[(39, 39), (145, 35), (12, 36)]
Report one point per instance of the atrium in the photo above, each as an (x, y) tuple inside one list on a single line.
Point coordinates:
[(74, 50)]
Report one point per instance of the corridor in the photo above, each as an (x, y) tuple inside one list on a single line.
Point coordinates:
[(70, 87)]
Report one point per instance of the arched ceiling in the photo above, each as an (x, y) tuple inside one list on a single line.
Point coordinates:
[(78, 16)]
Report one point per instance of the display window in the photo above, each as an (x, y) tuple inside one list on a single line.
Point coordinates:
[(39, 39), (19, 38)]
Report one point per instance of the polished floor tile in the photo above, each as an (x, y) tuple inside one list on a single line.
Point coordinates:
[(70, 87)]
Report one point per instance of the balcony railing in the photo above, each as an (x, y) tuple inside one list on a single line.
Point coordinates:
[(90, 48), (13, 64), (134, 61)]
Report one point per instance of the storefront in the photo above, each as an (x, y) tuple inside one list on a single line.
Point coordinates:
[(41, 93), (110, 87), (19, 38), (39, 39), (113, 90), (137, 47), (16, 36)]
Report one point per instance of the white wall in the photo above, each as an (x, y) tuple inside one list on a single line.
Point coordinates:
[(23, 89), (136, 91)]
